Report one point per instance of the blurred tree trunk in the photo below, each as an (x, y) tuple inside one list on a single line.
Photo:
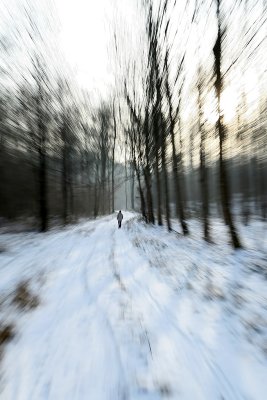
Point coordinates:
[(96, 197), (113, 156), (157, 170), (70, 190), (64, 177), (42, 138), (175, 169), (141, 192), (103, 183), (202, 157), (158, 150), (147, 174), (244, 174), (225, 196), (126, 176), (154, 98), (43, 210), (165, 175), (132, 186)]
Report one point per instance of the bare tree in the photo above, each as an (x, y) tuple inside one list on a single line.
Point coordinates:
[(202, 159), (217, 50), (175, 157), (113, 152)]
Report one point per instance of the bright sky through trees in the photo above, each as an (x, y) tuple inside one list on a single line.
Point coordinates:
[(85, 37)]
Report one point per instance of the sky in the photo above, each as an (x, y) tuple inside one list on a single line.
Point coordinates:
[(85, 27), (82, 31), (86, 35)]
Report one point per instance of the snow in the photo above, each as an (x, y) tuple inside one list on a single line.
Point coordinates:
[(135, 314)]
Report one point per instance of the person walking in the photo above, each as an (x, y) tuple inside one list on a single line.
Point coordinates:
[(119, 218)]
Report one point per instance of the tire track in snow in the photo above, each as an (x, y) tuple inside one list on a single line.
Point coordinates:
[(134, 328), (122, 389)]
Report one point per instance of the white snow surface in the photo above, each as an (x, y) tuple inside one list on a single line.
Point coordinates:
[(135, 313)]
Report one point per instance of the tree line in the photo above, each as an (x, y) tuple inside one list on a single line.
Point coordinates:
[(57, 150), (187, 154), (188, 109)]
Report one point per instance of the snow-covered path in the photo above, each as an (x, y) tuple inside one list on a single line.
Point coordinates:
[(132, 314)]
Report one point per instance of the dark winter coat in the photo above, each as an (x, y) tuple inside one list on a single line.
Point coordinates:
[(119, 216)]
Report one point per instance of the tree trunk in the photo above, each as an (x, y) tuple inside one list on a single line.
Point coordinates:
[(159, 211), (64, 179), (126, 178), (166, 186), (224, 188), (203, 170), (149, 200), (96, 199), (113, 184), (113, 159), (132, 187), (71, 197), (43, 188), (177, 189), (204, 193), (109, 189), (147, 175), (142, 198), (179, 203), (103, 182), (158, 183)]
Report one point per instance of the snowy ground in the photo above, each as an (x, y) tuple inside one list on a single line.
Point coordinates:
[(134, 314)]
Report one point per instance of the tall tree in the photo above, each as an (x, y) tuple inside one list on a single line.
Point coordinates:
[(154, 96), (175, 162), (202, 159), (113, 152), (224, 187)]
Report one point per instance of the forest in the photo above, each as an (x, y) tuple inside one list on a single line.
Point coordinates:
[(133, 199), (190, 119), (183, 127)]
